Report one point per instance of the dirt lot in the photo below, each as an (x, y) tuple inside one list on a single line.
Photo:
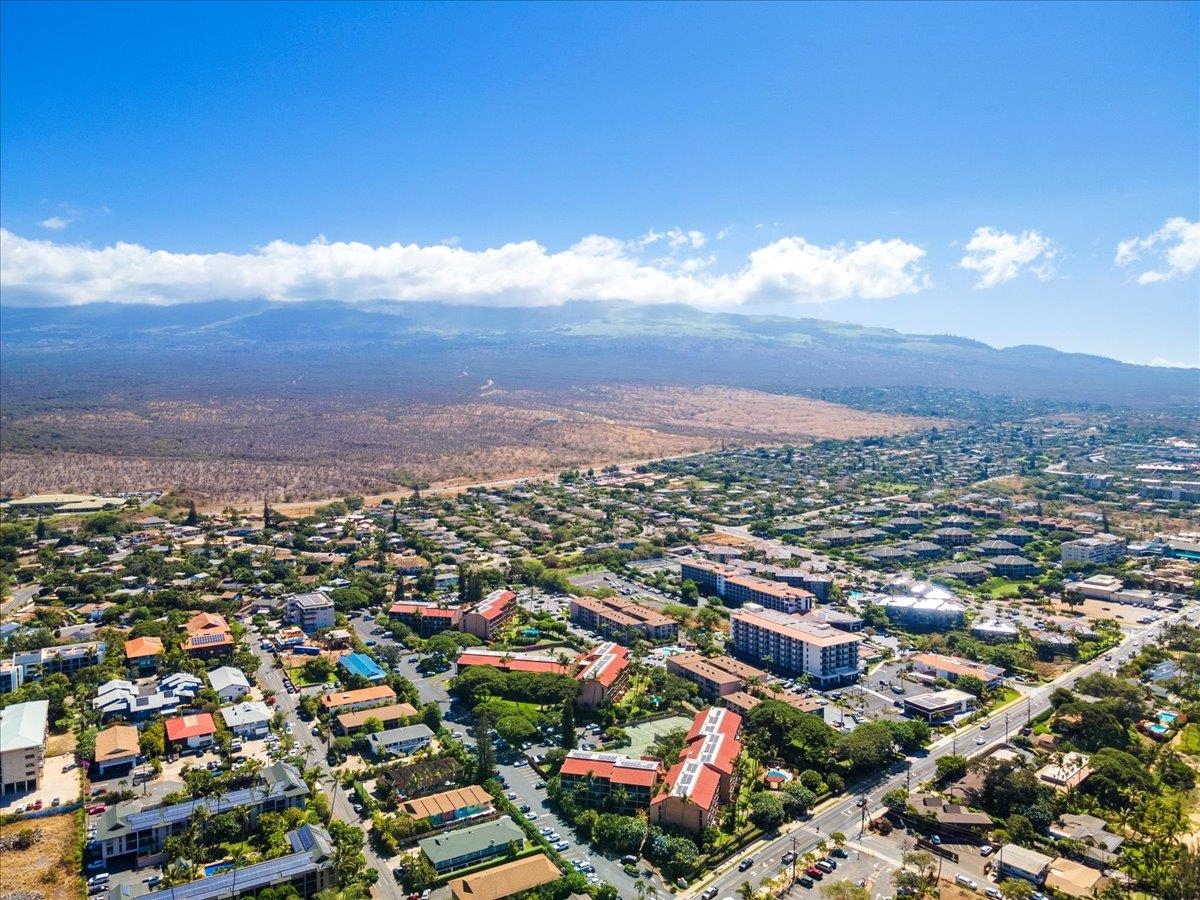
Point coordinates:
[(1102, 609), (49, 866)]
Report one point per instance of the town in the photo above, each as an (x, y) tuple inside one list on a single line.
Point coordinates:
[(963, 661)]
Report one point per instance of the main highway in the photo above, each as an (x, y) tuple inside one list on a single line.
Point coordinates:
[(845, 815)]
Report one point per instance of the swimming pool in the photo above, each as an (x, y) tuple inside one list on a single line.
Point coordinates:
[(217, 868), (776, 773), (1167, 718), (1158, 729)]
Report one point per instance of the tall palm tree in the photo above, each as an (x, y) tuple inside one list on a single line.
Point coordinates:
[(746, 891)]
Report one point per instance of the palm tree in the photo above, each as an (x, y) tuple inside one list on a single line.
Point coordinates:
[(746, 891)]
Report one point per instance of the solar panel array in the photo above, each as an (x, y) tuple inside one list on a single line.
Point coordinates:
[(615, 759)]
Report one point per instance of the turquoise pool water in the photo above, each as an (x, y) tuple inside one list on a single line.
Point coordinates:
[(217, 868), (1167, 718), (1158, 729), (775, 773)]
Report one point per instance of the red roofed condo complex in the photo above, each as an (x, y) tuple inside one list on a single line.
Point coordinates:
[(426, 619), (192, 731), (703, 779), (609, 779), (603, 675), (601, 671), (490, 615), (512, 662)]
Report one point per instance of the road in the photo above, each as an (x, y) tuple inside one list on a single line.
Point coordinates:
[(845, 816), (20, 598), (313, 750)]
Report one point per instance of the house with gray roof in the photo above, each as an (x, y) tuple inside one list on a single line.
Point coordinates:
[(474, 844)]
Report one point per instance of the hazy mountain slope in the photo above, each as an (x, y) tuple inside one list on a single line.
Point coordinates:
[(394, 349)]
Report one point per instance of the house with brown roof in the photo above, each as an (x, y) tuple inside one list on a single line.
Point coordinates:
[(208, 635), (446, 807), (391, 715), (506, 879), (116, 748)]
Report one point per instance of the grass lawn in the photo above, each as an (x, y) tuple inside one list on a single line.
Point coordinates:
[(1000, 588), (1189, 739)]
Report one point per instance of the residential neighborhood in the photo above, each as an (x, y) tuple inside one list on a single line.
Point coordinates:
[(698, 677)]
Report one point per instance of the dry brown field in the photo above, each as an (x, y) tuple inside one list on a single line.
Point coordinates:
[(47, 867), (290, 453)]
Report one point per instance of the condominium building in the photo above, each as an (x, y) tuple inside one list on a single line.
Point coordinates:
[(621, 619), (128, 828), (512, 662), (738, 588), (924, 613), (310, 612), (466, 846), (308, 869), (610, 780), (703, 779), (1095, 551), (824, 653), (65, 659), (426, 619), (22, 746), (716, 676), (603, 675), (486, 619), (389, 716), (455, 805), (402, 741), (345, 701)]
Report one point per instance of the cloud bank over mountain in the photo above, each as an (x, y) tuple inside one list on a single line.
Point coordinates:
[(524, 273)]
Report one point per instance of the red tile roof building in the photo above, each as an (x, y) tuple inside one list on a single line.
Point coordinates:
[(704, 777), (506, 661), (603, 675), (486, 619), (192, 730), (426, 619), (609, 780)]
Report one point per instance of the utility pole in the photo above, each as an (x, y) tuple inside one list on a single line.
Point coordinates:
[(862, 818), (1006, 728), (908, 776), (793, 862)]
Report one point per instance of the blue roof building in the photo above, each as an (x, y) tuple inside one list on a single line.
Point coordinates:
[(363, 666)]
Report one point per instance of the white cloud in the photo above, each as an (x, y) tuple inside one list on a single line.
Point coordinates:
[(1000, 256), (1175, 249), (55, 223), (1159, 362), (517, 274)]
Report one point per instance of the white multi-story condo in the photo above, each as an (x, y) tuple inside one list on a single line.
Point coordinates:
[(824, 653), (1096, 551)]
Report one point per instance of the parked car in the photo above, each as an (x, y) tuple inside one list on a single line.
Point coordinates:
[(804, 881), (815, 873), (986, 850), (96, 809)]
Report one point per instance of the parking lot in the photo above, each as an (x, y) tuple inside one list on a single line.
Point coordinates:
[(58, 783)]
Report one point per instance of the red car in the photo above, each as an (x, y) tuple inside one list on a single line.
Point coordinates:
[(815, 873), (96, 810), (37, 805)]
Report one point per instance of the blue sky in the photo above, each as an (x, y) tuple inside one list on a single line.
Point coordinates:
[(832, 160)]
